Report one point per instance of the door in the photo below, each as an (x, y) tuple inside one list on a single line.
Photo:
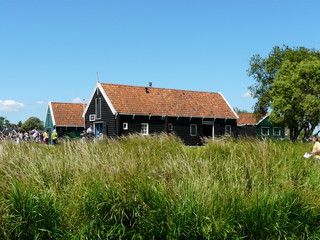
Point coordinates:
[(98, 128), (208, 131)]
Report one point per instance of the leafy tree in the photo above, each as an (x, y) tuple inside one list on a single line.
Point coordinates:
[(278, 78), (295, 97), (237, 110), (7, 123), (264, 71), (2, 119), (19, 124), (31, 123)]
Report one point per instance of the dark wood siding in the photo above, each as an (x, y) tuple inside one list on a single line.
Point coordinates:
[(181, 126), (107, 118), (247, 131), (72, 132)]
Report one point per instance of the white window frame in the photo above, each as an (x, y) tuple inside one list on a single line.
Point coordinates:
[(125, 126), (227, 133), (277, 128), (92, 117), (267, 129), (170, 126), (195, 133), (96, 108), (145, 128)]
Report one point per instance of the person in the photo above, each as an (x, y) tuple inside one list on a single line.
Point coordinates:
[(316, 148), (35, 134), (90, 131), (19, 137), (100, 136), (45, 137), (54, 136), (26, 136), (83, 136), (41, 139)]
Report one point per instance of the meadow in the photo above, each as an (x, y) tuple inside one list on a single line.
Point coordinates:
[(157, 188)]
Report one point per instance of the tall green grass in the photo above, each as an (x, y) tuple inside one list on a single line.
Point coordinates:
[(156, 188)]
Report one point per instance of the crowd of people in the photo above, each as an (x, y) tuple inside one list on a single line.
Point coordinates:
[(42, 136), (17, 135)]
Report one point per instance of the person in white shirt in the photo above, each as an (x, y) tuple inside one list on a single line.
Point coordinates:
[(35, 134), (90, 131)]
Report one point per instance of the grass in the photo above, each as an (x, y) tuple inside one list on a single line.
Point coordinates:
[(156, 188)]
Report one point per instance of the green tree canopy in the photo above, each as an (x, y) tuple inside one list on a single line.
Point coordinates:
[(2, 119), (19, 124), (288, 81), (264, 70), (295, 99), (31, 123)]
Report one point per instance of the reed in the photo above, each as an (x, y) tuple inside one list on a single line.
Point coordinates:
[(155, 187)]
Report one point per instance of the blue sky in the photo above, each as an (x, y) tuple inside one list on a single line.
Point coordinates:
[(52, 50)]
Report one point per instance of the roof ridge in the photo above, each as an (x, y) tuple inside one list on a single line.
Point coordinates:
[(183, 90), (67, 103)]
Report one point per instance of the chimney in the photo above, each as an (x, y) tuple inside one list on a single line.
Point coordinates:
[(147, 88)]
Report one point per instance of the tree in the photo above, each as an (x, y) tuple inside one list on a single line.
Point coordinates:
[(19, 124), (2, 119), (264, 71), (31, 123), (295, 99), (281, 82), (7, 123), (237, 110)]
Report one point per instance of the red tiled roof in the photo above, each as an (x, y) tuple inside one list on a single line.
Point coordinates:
[(249, 118), (246, 119), (161, 101), (68, 114)]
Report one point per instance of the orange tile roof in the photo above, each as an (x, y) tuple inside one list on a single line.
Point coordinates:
[(161, 101), (68, 114), (246, 119), (249, 118)]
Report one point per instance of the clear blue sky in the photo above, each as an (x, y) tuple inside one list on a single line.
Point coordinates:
[(51, 50)]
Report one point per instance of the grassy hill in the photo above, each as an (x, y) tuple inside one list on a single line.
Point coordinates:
[(157, 188)]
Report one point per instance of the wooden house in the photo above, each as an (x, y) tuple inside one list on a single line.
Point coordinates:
[(117, 110), (250, 126), (66, 118)]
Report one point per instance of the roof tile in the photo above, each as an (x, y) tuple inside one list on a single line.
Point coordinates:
[(68, 114), (161, 101), (249, 118)]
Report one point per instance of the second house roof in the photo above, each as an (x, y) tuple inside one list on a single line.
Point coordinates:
[(67, 114)]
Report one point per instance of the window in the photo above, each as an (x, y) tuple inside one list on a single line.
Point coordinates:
[(193, 129), (98, 108), (170, 126), (92, 117), (265, 131), (144, 128), (227, 130), (276, 131), (125, 126)]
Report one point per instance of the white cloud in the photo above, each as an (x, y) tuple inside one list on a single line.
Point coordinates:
[(247, 95), (40, 102), (77, 100), (10, 105)]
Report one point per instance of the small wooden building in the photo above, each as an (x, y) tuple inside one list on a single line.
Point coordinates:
[(66, 118), (116, 110), (250, 126)]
